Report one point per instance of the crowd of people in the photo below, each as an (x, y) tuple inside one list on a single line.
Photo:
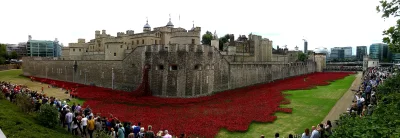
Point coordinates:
[(81, 121)]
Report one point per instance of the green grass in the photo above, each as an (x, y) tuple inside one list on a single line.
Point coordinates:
[(11, 74), (309, 108), (16, 124)]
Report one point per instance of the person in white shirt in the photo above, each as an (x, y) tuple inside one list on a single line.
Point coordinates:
[(68, 119), (84, 125), (166, 134)]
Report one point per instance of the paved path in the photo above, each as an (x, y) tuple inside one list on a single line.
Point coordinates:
[(344, 102)]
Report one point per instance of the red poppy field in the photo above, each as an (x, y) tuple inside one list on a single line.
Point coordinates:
[(204, 116)]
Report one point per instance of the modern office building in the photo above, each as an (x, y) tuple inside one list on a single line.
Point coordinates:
[(337, 53), (43, 48), (396, 57), (348, 51), (380, 51), (20, 49), (361, 51)]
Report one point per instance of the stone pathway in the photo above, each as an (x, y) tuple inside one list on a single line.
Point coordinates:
[(344, 102)]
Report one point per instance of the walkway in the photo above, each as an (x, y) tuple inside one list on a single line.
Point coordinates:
[(344, 102)]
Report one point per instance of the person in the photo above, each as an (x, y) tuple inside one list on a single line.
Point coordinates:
[(166, 134), (131, 134), (113, 135), (328, 128), (159, 134), (73, 107), (75, 126), (141, 133), (98, 125), (91, 126), (84, 125), (68, 120), (121, 132), (262, 136), (149, 133), (306, 133), (290, 136), (136, 129), (276, 135), (315, 132)]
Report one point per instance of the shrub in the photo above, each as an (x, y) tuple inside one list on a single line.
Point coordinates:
[(48, 116), (24, 102), (102, 134)]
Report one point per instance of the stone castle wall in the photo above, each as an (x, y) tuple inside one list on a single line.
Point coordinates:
[(176, 70)]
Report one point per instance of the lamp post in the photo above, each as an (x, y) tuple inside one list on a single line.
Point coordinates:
[(112, 78), (73, 73), (85, 76), (46, 72)]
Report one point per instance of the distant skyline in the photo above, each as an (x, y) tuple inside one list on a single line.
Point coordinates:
[(323, 23)]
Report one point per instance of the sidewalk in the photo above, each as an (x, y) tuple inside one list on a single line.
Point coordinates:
[(344, 102), (2, 134)]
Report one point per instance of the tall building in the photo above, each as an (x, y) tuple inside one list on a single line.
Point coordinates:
[(380, 51), (348, 51), (361, 51), (305, 46), (337, 53), (43, 48)]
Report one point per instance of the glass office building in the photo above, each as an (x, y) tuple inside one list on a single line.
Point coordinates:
[(43, 48), (379, 51), (361, 52)]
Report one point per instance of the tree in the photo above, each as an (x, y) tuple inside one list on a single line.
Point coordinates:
[(222, 41), (302, 57), (14, 55), (391, 35), (207, 37), (48, 116), (3, 50)]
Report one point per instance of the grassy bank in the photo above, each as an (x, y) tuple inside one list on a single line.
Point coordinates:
[(309, 108), (16, 124)]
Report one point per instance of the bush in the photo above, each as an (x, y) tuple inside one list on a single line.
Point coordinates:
[(48, 116), (24, 102), (102, 134)]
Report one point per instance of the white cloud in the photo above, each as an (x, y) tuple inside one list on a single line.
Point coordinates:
[(323, 23)]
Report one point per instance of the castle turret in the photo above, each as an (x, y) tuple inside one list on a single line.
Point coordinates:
[(146, 27), (170, 24)]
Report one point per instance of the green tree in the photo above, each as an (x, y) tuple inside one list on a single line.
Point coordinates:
[(207, 37), (14, 55), (48, 116), (3, 50), (391, 35), (222, 41), (302, 57)]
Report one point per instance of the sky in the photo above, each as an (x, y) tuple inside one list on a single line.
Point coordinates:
[(323, 23)]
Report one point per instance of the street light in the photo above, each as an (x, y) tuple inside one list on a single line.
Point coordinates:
[(112, 78)]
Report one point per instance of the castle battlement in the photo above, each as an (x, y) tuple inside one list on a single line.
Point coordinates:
[(185, 34), (179, 48)]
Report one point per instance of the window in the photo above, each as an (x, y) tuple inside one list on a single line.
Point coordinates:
[(142, 41), (127, 47), (137, 41), (132, 42), (173, 67), (73, 49), (120, 46), (160, 67), (155, 42), (125, 43), (197, 67), (192, 41), (79, 50), (107, 46), (115, 54)]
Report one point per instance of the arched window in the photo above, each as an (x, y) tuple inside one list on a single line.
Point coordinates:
[(142, 41), (160, 67)]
